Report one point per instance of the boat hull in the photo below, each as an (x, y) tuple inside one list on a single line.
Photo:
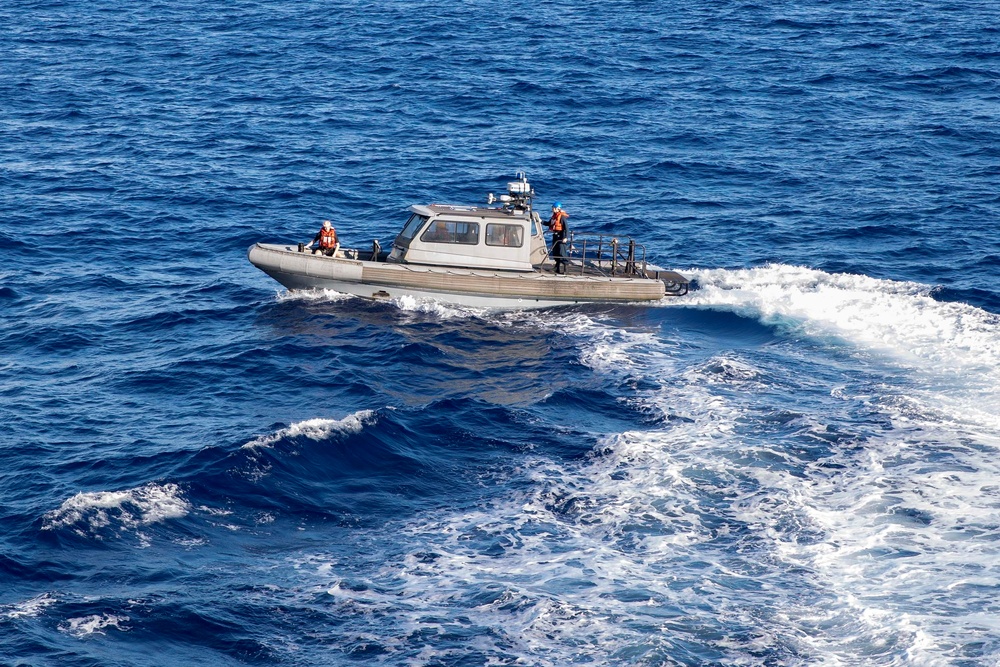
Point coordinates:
[(467, 287)]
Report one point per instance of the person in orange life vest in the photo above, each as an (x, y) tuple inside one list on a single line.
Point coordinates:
[(327, 239), (559, 227)]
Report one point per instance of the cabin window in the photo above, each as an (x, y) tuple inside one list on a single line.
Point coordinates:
[(450, 231), (412, 226), (508, 236)]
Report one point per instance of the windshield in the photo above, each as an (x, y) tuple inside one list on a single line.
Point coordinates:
[(415, 222)]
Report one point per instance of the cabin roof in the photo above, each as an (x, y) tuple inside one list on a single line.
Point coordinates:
[(470, 211)]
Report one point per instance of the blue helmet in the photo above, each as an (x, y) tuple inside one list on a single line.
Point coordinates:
[(557, 204)]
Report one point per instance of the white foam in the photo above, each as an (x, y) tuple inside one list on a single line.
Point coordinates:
[(440, 310), (129, 509), (29, 608), (317, 429), (910, 534), (406, 303), (94, 624), (312, 295), (897, 317)]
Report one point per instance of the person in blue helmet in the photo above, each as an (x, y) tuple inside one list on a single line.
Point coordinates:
[(559, 227)]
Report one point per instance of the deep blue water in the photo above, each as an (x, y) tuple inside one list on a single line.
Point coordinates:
[(796, 464)]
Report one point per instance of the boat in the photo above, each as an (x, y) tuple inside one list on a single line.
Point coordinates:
[(492, 256)]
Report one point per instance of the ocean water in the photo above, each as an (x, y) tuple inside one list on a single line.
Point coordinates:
[(796, 464)]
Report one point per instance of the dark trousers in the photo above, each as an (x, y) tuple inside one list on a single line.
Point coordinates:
[(559, 253)]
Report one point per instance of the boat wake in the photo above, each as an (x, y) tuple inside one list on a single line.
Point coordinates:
[(847, 518), (950, 351), (900, 318)]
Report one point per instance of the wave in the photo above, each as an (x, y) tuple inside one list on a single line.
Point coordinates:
[(144, 505), (90, 514), (356, 469), (360, 469), (316, 429)]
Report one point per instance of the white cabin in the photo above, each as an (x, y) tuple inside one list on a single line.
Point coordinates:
[(477, 237)]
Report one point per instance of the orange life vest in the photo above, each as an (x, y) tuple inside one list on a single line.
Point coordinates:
[(556, 222), (327, 238)]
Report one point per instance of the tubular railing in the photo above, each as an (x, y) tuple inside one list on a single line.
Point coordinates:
[(608, 255)]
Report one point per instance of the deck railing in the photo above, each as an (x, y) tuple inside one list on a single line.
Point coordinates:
[(606, 254)]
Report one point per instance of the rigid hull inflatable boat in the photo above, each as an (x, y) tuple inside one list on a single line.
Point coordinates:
[(480, 256)]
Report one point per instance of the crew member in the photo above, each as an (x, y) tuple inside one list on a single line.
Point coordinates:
[(559, 227), (327, 240)]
